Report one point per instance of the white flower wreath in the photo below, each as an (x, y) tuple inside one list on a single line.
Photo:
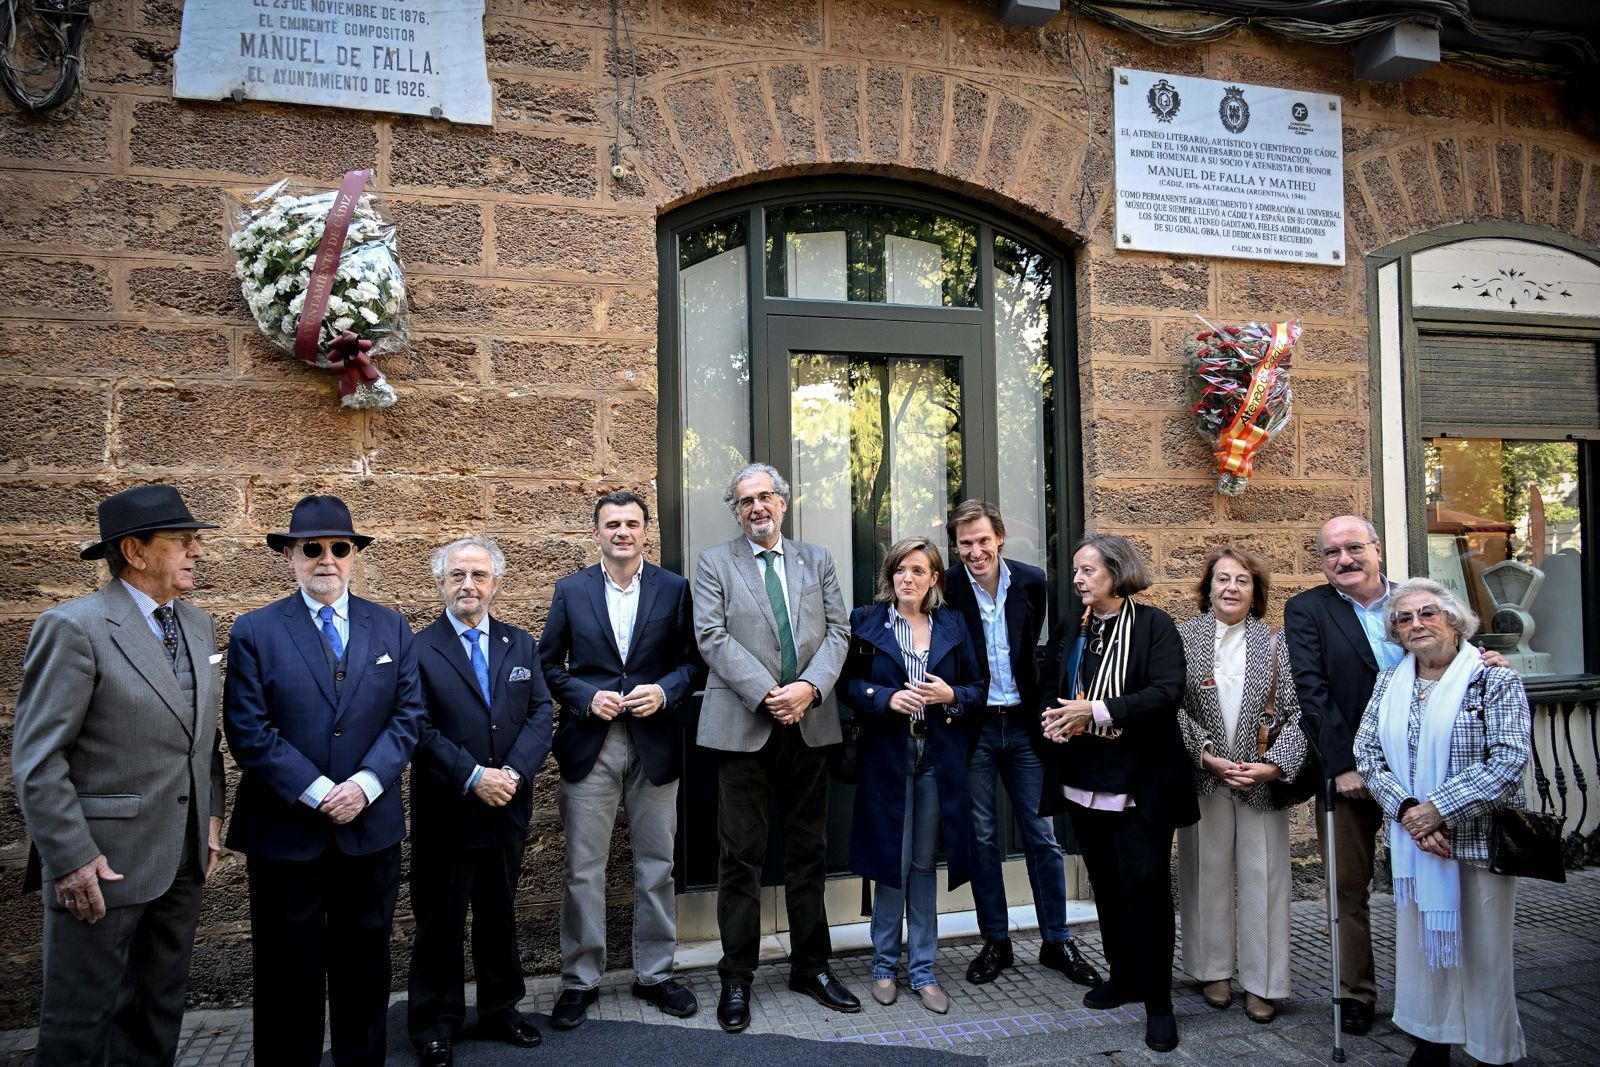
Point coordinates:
[(276, 233)]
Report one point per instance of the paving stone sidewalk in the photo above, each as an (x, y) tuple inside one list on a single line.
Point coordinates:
[(1033, 1016)]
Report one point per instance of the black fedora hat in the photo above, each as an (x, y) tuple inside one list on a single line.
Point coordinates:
[(142, 509), (317, 516)]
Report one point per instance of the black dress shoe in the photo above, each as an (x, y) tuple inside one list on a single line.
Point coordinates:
[(1064, 956), (987, 964), (1104, 997), (828, 991), (671, 997), (1355, 1016), (435, 1054), (1161, 1032), (572, 1008), (513, 1030), (733, 1007)]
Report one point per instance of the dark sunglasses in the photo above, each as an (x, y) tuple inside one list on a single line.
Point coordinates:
[(313, 549)]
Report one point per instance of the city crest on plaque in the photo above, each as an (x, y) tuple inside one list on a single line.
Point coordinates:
[(1234, 111), (1164, 101)]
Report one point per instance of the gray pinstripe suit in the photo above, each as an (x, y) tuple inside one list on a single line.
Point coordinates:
[(110, 758)]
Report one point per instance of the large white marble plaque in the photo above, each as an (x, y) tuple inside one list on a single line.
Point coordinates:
[(414, 57), (1214, 168)]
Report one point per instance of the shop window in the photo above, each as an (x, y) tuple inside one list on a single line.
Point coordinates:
[(1486, 398)]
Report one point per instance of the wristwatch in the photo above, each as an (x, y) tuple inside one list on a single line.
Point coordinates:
[(511, 773)]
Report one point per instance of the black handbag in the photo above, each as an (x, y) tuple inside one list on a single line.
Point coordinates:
[(1527, 844), (1522, 844), (1285, 793), (844, 759)]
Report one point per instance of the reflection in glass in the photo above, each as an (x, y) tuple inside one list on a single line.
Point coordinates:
[(1025, 395), (714, 342), (873, 253), (1504, 532), (877, 456)]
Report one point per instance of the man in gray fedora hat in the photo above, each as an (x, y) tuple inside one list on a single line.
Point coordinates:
[(119, 777), (322, 709)]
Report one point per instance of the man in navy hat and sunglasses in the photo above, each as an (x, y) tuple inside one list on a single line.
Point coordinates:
[(322, 709), (119, 777)]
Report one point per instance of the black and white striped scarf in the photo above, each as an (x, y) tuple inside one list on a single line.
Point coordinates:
[(1113, 671)]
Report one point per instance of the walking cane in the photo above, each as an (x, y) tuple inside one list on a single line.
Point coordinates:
[(1330, 870)]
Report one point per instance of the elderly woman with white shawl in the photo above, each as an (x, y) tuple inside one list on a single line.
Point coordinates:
[(1443, 743)]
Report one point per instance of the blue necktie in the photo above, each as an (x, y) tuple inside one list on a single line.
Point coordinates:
[(331, 632), (480, 666)]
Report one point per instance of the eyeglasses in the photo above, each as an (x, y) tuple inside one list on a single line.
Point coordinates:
[(188, 540), (1355, 550), (1426, 615), (766, 500), (313, 549)]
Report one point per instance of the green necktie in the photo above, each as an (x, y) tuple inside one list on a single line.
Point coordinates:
[(780, 611)]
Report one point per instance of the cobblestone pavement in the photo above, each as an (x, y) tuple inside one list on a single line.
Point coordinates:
[(1033, 1016)]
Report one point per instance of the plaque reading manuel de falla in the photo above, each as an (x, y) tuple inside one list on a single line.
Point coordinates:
[(1215, 168), (413, 57)]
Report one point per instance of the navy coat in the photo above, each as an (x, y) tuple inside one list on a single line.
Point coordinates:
[(461, 732), (580, 657), (286, 728), (873, 671)]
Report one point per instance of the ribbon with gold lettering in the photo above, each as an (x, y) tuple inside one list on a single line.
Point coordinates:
[(1238, 441), (320, 287)]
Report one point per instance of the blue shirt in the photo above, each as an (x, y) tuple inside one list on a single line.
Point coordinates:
[(147, 607), (1370, 616), (1003, 691), (461, 629), (319, 789)]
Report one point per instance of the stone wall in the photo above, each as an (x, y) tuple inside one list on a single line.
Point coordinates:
[(128, 354)]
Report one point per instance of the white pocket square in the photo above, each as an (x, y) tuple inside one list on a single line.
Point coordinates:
[(216, 658), (382, 660), (519, 674)]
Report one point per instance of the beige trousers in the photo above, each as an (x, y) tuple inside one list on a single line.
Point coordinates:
[(1474, 1004), (1233, 895)]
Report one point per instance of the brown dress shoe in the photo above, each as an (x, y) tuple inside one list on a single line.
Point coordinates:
[(1260, 1009), (1218, 994)]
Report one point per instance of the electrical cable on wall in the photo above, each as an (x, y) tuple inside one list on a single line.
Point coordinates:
[(41, 53), (1283, 18), (619, 15)]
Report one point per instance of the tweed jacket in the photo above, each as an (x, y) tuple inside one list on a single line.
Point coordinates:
[(1201, 720), (738, 638), (1489, 753)]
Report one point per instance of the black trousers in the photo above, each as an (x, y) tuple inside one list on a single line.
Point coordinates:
[(315, 924), (445, 881), (1130, 868), (793, 774), (113, 990)]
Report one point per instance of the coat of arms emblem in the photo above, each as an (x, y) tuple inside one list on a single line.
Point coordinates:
[(1234, 111), (1164, 100)]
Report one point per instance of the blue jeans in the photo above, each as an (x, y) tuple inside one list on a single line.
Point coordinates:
[(918, 900), (1003, 751)]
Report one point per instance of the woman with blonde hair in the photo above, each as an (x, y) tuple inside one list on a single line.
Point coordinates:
[(910, 676)]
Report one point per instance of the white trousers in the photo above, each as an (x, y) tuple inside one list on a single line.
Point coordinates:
[(1233, 895), (1474, 1004)]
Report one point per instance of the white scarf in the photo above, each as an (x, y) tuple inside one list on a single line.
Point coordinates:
[(1422, 880)]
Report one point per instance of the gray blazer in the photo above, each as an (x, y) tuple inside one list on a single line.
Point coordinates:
[(106, 755), (738, 638)]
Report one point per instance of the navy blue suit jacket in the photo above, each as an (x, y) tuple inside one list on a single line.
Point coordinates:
[(581, 657), (1025, 618), (873, 671), (285, 727), (461, 732)]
